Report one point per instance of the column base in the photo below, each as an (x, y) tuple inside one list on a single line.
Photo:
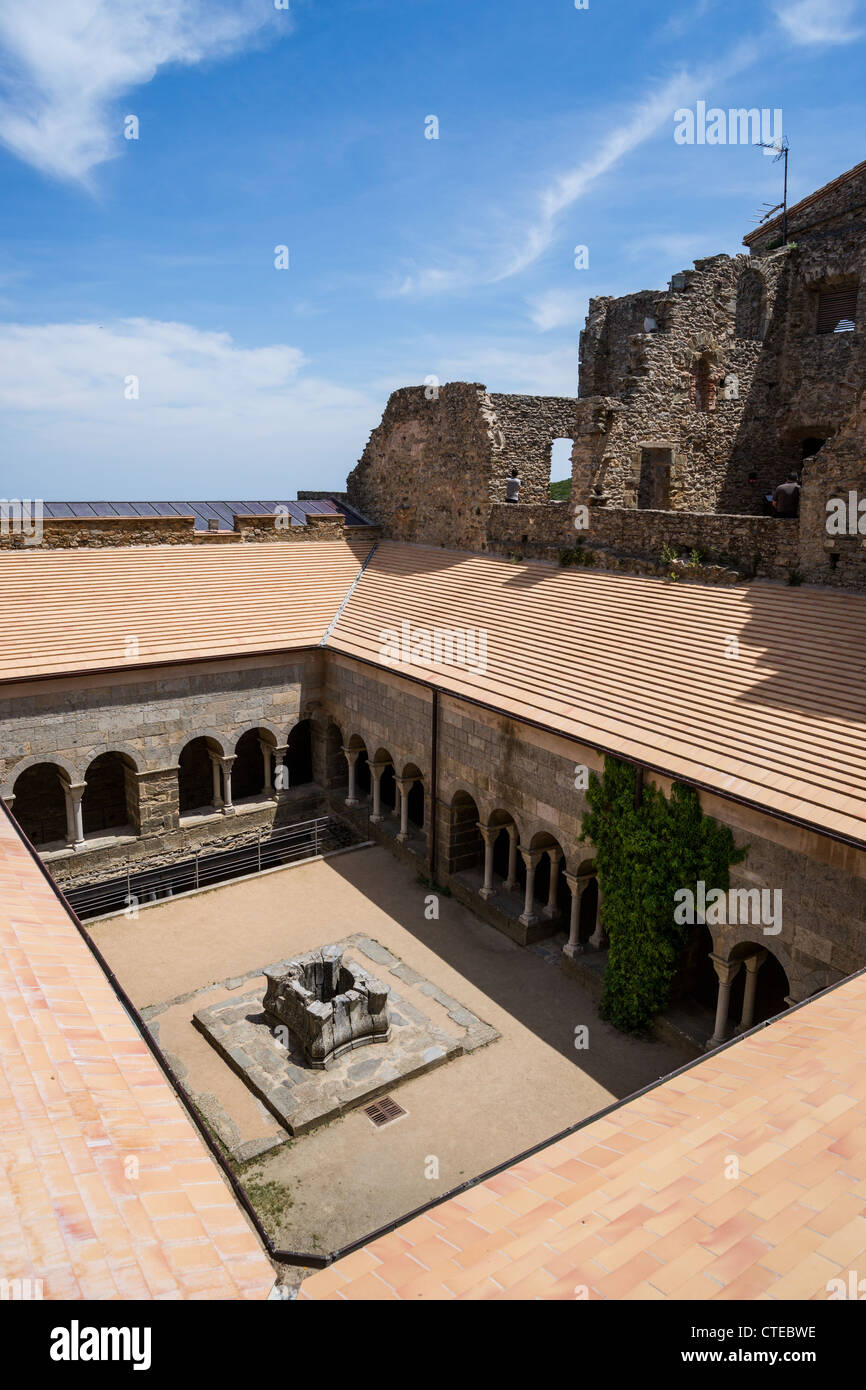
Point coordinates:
[(550, 913), (529, 919), (374, 820), (598, 943), (353, 802), (510, 885), (712, 1043), (403, 837), (573, 951), (228, 810), (486, 893)]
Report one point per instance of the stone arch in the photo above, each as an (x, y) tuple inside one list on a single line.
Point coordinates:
[(260, 727), (363, 780), (198, 786), (773, 986), (219, 740), (251, 775), (40, 801), (110, 801), (387, 781), (416, 797), (465, 846), (506, 828), (298, 757), (69, 770), (551, 889), (448, 790)]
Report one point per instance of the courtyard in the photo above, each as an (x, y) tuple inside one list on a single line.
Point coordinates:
[(504, 1072)]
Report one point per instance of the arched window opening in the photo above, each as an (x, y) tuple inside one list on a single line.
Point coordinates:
[(40, 804), (110, 801)]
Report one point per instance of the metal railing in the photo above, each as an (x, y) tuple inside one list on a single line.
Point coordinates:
[(270, 849)]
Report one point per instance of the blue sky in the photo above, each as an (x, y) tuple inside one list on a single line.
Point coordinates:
[(409, 257)]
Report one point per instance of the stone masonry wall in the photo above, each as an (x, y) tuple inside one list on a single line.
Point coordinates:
[(626, 539), (505, 766), (100, 532), (530, 774)]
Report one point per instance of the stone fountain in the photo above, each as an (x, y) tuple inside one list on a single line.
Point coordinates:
[(329, 1006)]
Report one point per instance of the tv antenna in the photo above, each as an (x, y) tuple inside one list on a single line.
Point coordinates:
[(781, 148)]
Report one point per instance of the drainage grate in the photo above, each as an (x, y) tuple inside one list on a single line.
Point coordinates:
[(383, 1111)]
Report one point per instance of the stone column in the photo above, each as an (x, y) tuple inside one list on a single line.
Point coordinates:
[(267, 751), (281, 772), (726, 971), (598, 940), (488, 835), (217, 782), (552, 910), (227, 764), (753, 964), (572, 946), (351, 755), (511, 881), (376, 770), (404, 786), (74, 791), (528, 916)]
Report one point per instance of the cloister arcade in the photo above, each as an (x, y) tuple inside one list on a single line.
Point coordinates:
[(515, 868), (59, 806)]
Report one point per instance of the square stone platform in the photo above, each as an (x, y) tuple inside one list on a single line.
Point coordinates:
[(302, 1098)]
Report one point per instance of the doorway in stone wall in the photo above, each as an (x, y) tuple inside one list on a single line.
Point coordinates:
[(654, 484)]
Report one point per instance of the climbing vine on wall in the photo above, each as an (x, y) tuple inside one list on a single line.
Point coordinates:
[(643, 854)]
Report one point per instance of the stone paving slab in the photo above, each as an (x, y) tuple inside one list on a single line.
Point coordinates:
[(302, 1098)]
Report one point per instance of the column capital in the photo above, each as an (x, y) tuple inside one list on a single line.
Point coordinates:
[(753, 962), (725, 969), (405, 784), (226, 760), (352, 754), (378, 767), (531, 857), (554, 853), (488, 832)]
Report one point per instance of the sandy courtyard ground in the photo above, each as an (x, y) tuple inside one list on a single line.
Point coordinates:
[(347, 1178)]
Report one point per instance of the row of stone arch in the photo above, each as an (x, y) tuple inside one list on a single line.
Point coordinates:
[(56, 804)]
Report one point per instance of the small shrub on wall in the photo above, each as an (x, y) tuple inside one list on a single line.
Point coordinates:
[(643, 854)]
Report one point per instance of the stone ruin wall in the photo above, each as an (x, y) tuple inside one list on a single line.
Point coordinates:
[(99, 533), (731, 547), (652, 377), (436, 464)]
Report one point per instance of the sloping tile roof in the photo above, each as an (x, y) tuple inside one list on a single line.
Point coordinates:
[(640, 1203), (82, 1101), (642, 668), (629, 665), (300, 510), (809, 201), (77, 610)]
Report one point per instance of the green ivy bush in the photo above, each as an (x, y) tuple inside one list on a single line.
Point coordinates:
[(643, 855)]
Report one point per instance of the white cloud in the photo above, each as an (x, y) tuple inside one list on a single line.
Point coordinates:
[(64, 64), (810, 22), (558, 309), (212, 417)]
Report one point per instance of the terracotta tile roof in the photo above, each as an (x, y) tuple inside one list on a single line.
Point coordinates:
[(75, 610), (640, 667), (82, 1101), (639, 1203)]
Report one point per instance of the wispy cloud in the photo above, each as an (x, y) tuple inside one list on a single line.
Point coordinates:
[(645, 120), (64, 64), (813, 22)]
